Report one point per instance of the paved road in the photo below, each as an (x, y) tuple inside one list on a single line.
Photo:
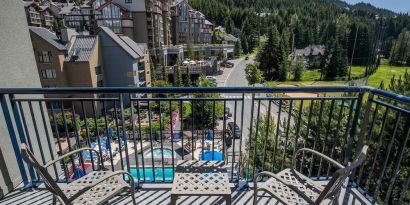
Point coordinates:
[(236, 78)]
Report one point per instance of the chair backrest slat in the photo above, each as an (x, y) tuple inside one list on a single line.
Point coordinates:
[(335, 184), (49, 182)]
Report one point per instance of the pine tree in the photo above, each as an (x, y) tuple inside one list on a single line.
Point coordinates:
[(237, 49), (188, 77), (298, 69), (190, 50), (178, 73), (270, 59), (244, 44), (153, 71), (201, 53), (164, 72), (400, 51)]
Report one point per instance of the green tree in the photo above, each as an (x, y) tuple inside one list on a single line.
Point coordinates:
[(270, 58), (178, 75), (400, 52), (337, 64), (261, 142), (188, 77), (164, 75), (206, 111), (201, 53), (160, 83), (57, 26), (190, 51), (298, 69), (237, 49), (284, 67), (68, 121), (244, 44), (283, 71), (221, 55), (153, 71), (253, 74)]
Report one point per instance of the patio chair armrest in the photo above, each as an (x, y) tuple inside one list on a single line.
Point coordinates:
[(72, 153), (330, 160), (269, 174), (294, 188), (83, 190)]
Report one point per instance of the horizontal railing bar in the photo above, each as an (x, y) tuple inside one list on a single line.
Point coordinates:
[(391, 106), (59, 99), (81, 90), (306, 98), (388, 94), (186, 99)]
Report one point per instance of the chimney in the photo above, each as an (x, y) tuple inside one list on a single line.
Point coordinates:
[(67, 34)]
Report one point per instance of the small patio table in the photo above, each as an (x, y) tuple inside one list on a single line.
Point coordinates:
[(200, 178)]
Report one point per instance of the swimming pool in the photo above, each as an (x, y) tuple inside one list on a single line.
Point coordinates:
[(158, 153), (149, 173)]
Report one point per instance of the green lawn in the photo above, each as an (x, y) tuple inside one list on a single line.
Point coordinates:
[(384, 73)]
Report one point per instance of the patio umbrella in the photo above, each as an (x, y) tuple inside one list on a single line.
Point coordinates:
[(209, 135), (110, 133), (86, 155), (78, 173), (175, 137), (107, 144), (207, 155)]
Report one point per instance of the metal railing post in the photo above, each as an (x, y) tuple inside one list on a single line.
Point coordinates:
[(348, 154), (13, 138), (361, 137)]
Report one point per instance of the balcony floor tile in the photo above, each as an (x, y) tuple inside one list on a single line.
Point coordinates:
[(159, 194)]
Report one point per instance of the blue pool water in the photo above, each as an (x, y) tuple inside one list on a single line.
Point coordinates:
[(158, 153), (149, 173)]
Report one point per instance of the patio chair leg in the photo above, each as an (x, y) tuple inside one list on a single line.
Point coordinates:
[(132, 191), (174, 199), (228, 200), (255, 195), (54, 200)]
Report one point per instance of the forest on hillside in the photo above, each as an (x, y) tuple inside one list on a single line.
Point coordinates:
[(360, 34)]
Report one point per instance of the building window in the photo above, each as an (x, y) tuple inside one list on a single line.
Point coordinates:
[(48, 74), (98, 70), (44, 56), (128, 1)]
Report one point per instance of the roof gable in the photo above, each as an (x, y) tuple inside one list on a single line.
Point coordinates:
[(120, 42), (110, 2), (48, 36)]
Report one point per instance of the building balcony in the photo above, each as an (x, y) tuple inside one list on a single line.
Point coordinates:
[(272, 123)]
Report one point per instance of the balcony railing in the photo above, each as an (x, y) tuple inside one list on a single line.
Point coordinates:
[(147, 135)]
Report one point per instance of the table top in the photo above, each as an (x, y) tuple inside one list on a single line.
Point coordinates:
[(192, 166), (194, 177), (201, 184)]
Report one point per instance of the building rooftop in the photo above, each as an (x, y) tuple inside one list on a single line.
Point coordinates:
[(230, 37), (81, 49), (312, 50), (48, 36), (139, 48), (135, 50), (208, 22)]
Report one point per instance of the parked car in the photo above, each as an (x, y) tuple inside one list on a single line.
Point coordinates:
[(212, 79), (234, 129), (227, 114)]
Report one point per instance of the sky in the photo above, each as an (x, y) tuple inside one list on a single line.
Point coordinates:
[(394, 5)]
